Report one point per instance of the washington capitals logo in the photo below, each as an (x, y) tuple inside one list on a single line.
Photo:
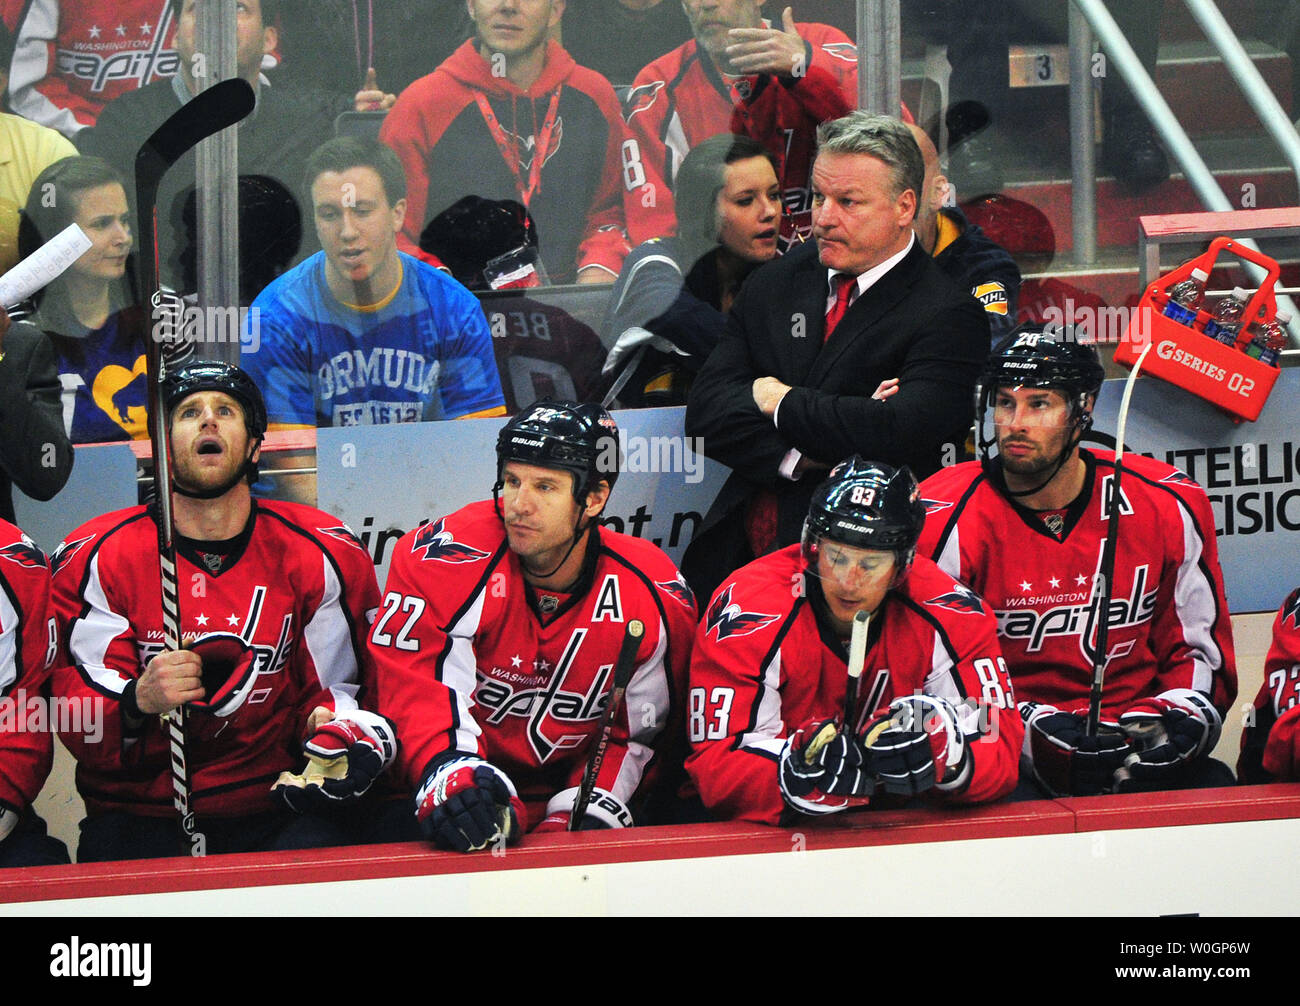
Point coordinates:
[(729, 620), (934, 506), (959, 599), (1291, 610), (640, 98), (25, 553), (678, 589), (846, 51), (1182, 478), (66, 551), (344, 534), (526, 146), (440, 545)]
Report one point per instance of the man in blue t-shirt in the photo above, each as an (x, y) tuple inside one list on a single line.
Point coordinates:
[(361, 333)]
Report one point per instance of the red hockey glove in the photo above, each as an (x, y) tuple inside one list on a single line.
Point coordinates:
[(821, 769), (229, 664), (1065, 760), (344, 756), (1167, 733), (916, 745), (467, 804)]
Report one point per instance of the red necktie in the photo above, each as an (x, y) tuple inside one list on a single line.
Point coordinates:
[(844, 287)]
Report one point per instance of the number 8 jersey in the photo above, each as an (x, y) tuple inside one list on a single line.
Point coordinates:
[(765, 663)]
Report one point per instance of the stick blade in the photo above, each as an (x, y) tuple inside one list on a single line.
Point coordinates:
[(221, 105)]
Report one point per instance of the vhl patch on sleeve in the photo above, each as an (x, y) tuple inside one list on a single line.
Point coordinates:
[(993, 296)]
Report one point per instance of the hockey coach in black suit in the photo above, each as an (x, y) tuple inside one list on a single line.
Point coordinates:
[(794, 385)]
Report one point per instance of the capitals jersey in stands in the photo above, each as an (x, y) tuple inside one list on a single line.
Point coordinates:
[(72, 57), (542, 351), (470, 658), (295, 584), (681, 99), (766, 664), (1169, 623), (28, 641), (422, 353), (1270, 744)]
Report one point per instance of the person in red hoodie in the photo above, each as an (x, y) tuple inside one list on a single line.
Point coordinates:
[(511, 116)]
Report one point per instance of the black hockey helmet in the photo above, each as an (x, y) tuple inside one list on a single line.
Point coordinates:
[(1051, 356), (865, 504), (581, 439), (213, 375)]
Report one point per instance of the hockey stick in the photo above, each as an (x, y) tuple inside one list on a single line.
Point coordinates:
[(210, 111), (1108, 554), (857, 658), (622, 675)]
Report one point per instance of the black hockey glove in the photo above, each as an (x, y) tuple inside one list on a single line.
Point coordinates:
[(822, 769), (1065, 759), (467, 804)]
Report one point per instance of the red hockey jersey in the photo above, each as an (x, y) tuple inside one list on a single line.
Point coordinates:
[(72, 59), (1275, 725), (681, 99), (27, 650), (1169, 622), (296, 585), (765, 664), (465, 663)]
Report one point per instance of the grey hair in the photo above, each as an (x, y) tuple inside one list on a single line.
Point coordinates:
[(882, 137)]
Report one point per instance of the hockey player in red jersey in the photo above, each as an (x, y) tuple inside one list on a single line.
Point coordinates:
[(739, 74), (499, 631), (27, 650), (933, 708), (275, 601), (1270, 744), (1025, 530)]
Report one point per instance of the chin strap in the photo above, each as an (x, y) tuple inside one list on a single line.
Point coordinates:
[(247, 470), (578, 531)]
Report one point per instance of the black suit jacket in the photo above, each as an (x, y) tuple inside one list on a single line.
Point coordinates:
[(35, 453), (913, 324)]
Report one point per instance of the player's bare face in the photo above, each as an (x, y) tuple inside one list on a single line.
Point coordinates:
[(852, 580), (1033, 428), (749, 210), (209, 440), (358, 231), (857, 222), (514, 27), (540, 514), (711, 20), (103, 214)]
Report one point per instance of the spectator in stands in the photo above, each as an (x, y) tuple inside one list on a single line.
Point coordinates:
[(961, 250), (542, 350), (739, 74), (274, 140), (26, 149), (72, 59), (35, 454), (511, 116), (670, 305), (1270, 744), (616, 38), (361, 333), (789, 389), (88, 312)]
